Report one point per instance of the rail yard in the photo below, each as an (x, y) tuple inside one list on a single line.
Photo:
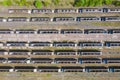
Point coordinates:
[(67, 43)]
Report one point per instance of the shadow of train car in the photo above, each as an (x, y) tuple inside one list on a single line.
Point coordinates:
[(71, 69), (65, 52), (17, 60), (110, 60), (47, 31), (113, 31), (24, 68), (6, 31), (65, 60), (90, 60), (18, 52), (41, 60), (96, 69), (48, 69), (6, 69), (89, 52), (42, 52)]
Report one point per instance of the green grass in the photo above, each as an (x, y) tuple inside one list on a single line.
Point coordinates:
[(108, 24)]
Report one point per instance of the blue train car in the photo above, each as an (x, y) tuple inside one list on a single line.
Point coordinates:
[(94, 31), (89, 44), (114, 68), (110, 18), (96, 69), (112, 44), (112, 31), (110, 60)]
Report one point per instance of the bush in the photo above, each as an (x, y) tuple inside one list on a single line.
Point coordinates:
[(7, 2), (56, 2), (45, 3), (38, 4)]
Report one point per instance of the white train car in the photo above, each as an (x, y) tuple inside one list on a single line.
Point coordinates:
[(19, 11)]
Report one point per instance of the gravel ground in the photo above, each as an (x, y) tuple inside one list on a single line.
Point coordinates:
[(59, 37), (60, 76)]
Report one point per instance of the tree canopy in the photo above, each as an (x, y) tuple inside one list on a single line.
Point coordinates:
[(38, 4), (86, 3), (75, 3)]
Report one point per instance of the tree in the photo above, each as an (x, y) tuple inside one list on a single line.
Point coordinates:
[(87, 3), (77, 3), (38, 4), (107, 2), (116, 3), (92, 3)]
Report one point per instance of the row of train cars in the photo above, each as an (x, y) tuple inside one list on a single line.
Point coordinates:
[(30, 60), (60, 19), (61, 31), (59, 69), (61, 44), (67, 10)]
